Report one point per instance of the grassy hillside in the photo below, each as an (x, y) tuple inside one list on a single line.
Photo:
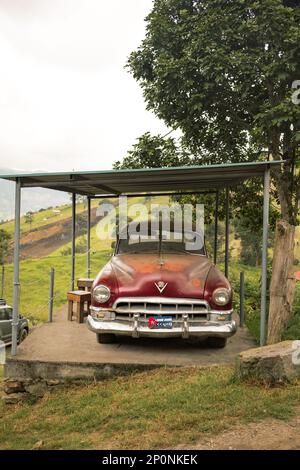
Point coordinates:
[(42, 218), (125, 413), (34, 273)]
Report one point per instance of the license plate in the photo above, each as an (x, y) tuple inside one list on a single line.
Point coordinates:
[(158, 322)]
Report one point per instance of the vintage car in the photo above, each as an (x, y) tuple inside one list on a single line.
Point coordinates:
[(157, 288)]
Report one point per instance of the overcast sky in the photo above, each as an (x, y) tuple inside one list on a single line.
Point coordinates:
[(66, 101)]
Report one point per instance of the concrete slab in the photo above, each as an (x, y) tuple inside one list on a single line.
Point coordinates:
[(70, 342)]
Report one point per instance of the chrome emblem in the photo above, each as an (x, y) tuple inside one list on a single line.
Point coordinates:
[(161, 285)]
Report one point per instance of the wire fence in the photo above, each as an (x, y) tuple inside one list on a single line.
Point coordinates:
[(35, 282), (35, 298)]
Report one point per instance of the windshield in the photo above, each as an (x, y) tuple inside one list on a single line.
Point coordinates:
[(163, 242)]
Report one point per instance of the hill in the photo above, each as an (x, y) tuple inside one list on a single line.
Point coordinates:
[(32, 199)]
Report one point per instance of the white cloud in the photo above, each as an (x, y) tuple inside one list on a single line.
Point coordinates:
[(66, 100)]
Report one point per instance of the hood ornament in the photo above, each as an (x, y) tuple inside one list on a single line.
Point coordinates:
[(161, 285)]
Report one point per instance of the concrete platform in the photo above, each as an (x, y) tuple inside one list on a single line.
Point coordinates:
[(69, 349)]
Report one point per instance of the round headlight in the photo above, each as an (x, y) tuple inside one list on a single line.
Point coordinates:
[(221, 296), (101, 294)]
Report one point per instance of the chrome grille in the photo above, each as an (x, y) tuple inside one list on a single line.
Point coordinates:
[(147, 306)]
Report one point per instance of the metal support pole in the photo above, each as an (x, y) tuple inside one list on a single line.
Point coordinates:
[(226, 231), (15, 319), (73, 240), (264, 266), (88, 237), (51, 295), (216, 228), (242, 297)]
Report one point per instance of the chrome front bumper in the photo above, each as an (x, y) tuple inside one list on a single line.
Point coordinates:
[(186, 329)]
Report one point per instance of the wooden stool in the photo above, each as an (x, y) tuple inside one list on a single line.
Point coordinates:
[(85, 283), (80, 297)]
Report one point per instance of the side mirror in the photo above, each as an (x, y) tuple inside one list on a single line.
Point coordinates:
[(113, 245)]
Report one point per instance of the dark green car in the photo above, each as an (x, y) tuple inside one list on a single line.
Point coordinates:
[(6, 324)]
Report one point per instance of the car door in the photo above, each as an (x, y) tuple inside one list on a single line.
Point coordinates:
[(5, 324)]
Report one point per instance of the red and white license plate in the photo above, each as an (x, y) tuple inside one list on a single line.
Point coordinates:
[(160, 322)]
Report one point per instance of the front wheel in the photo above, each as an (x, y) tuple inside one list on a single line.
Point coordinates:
[(105, 338), (23, 335), (215, 342)]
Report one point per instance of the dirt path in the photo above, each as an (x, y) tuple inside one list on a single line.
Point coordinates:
[(270, 434)]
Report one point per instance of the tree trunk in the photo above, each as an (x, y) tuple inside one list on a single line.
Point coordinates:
[(282, 283)]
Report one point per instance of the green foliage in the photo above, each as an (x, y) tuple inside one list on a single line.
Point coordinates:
[(293, 329), (80, 247), (5, 238), (251, 243), (155, 152), (222, 73), (252, 294), (29, 216)]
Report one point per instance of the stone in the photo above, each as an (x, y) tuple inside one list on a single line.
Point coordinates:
[(13, 386), (274, 364), (14, 398), (53, 382), (37, 389)]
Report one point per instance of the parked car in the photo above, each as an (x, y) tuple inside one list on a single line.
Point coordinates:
[(158, 288), (6, 324)]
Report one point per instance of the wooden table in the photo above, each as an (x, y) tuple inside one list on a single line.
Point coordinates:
[(85, 283), (80, 298)]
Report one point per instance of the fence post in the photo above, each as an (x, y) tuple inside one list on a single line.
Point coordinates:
[(50, 314), (242, 294)]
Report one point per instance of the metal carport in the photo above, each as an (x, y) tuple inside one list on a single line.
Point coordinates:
[(154, 181)]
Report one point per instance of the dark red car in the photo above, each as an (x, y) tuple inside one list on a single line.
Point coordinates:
[(158, 288)]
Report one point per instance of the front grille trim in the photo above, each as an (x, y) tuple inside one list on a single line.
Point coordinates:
[(160, 305)]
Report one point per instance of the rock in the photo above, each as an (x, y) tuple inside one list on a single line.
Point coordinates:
[(274, 364), (13, 386), (52, 382), (14, 398), (37, 390)]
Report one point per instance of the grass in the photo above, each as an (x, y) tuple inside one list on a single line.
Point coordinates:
[(44, 217), (151, 410), (34, 277)]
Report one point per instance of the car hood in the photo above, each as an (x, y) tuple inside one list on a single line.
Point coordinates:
[(184, 275)]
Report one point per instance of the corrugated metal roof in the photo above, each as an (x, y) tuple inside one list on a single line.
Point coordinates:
[(146, 180)]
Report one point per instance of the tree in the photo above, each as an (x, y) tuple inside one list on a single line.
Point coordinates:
[(5, 238), (29, 218), (155, 151), (222, 72), (80, 199)]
